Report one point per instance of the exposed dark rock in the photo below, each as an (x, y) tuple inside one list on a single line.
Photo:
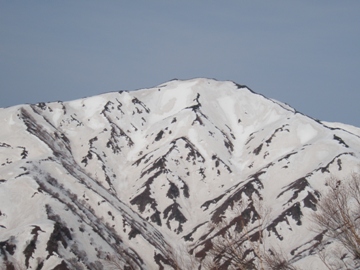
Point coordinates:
[(7, 246), (249, 189), (161, 261), (206, 204), (268, 141), (310, 200), (341, 141), (294, 212), (30, 248), (61, 234), (185, 189), (257, 150), (24, 153), (107, 107), (296, 187), (287, 156), (144, 198), (5, 145), (310, 247), (62, 266), (42, 105), (173, 212), (133, 233), (188, 237), (156, 218), (173, 191), (137, 101), (159, 135), (326, 168)]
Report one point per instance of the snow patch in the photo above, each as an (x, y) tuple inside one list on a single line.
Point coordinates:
[(306, 132)]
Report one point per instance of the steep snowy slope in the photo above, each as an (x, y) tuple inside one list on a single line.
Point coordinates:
[(135, 177)]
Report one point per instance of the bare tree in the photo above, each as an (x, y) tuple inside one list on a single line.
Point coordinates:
[(276, 260), (229, 251), (338, 218)]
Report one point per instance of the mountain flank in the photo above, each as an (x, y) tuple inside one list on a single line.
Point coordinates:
[(161, 178)]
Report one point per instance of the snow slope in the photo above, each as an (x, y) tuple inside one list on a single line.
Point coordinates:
[(152, 172)]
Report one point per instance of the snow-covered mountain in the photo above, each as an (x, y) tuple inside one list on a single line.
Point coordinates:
[(148, 178)]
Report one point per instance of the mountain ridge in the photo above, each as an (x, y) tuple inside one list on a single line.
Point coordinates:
[(163, 169)]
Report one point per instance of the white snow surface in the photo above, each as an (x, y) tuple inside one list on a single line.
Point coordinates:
[(150, 172)]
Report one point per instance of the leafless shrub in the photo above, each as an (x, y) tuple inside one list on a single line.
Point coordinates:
[(338, 218), (229, 251), (276, 260), (330, 259)]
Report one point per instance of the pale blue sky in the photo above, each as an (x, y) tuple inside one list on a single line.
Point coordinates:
[(304, 53)]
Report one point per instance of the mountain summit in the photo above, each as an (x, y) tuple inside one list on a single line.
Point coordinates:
[(154, 178)]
